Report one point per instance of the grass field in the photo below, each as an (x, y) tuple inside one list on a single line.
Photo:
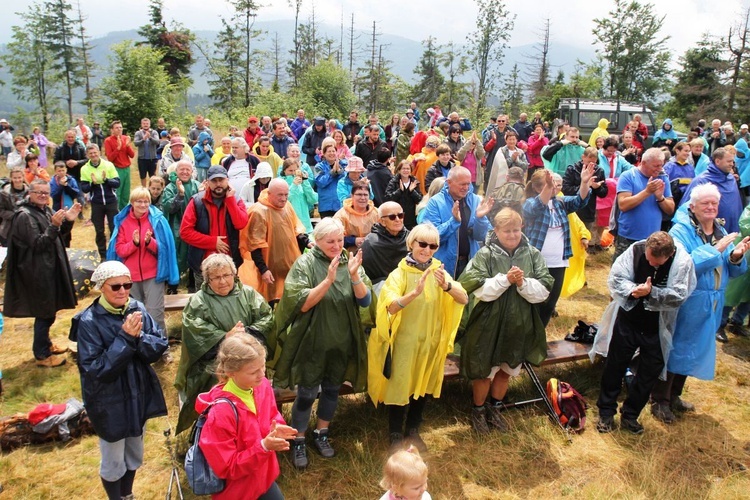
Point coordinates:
[(702, 455)]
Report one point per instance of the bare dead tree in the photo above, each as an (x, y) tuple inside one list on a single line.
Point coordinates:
[(739, 33)]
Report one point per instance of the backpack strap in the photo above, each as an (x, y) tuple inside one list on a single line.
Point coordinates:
[(231, 403)]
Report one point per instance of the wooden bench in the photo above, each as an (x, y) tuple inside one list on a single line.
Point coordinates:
[(176, 302), (558, 351)]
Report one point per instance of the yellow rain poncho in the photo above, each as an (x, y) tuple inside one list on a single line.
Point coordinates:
[(575, 275), (600, 131), (421, 337)]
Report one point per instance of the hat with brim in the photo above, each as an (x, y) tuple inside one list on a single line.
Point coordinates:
[(176, 141), (216, 172), (355, 165), (43, 411)]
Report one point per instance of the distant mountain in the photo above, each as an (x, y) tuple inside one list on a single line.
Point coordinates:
[(404, 54)]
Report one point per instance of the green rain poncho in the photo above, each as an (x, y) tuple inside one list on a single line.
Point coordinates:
[(738, 289), (507, 329), (205, 322), (326, 342)]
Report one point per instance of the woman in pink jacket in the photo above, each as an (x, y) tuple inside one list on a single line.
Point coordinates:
[(536, 142), (243, 452)]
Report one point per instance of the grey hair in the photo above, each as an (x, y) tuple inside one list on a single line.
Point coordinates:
[(653, 154), (242, 142), (456, 171), (704, 191), (327, 226), (217, 261)]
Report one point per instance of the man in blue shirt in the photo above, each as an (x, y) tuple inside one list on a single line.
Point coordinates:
[(643, 194)]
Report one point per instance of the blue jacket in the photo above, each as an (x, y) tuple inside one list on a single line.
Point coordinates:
[(203, 157), (439, 212), (327, 184), (344, 188), (166, 268), (63, 196), (621, 164), (730, 205), (694, 345), (703, 162), (743, 164), (120, 389)]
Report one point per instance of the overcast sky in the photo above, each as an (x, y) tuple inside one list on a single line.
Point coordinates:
[(572, 20)]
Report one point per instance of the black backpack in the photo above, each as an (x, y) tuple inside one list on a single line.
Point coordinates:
[(201, 478)]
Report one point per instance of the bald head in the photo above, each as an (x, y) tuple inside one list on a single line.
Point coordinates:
[(278, 192), (389, 207)]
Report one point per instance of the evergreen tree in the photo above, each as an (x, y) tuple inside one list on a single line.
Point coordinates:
[(431, 82), (137, 85), (61, 37), (226, 83), (454, 94), (244, 19), (177, 55), (513, 94), (29, 61), (86, 63)]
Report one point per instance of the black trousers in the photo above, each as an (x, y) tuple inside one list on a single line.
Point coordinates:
[(98, 213), (666, 391), (546, 307), (626, 338), (413, 417)]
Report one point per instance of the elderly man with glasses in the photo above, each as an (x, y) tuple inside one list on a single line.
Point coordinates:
[(39, 281), (385, 246)]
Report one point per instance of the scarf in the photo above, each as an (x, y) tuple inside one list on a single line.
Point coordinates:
[(413, 263)]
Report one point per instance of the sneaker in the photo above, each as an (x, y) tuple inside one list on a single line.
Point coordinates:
[(322, 444), (299, 453), (167, 357), (413, 437), (661, 412), (171, 290), (679, 404), (56, 349), (632, 425), (737, 329), (479, 420), (495, 418), (721, 336), (605, 424), (51, 361)]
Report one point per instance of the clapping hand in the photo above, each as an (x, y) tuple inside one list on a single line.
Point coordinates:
[(515, 276), (133, 324), (420, 284), (136, 237), (740, 248), (147, 237), (484, 208), (332, 269), (238, 328), (355, 260), (456, 211), (279, 436), (642, 290), (440, 277), (73, 211)]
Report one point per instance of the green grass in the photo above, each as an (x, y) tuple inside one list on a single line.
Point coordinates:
[(702, 455)]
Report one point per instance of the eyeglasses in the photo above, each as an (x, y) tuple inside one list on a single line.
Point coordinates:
[(223, 277), (116, 287), (361, 194), (394, 216), (40, 193), (431, 145), (424, 244)]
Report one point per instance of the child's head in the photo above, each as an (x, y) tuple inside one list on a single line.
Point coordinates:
[(405, 474), (243, 359), (61, 170), (155, 186)]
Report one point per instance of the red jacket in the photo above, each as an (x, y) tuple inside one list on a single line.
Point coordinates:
[(141, 259), (535, 150), (238, 457), (251, 137), (218, 227), (119, 157)]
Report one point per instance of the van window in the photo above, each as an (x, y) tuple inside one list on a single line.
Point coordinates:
[(590, 119)]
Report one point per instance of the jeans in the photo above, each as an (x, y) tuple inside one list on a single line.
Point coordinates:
[(98, 213), (740, 314), (42, 343), (302, 407)]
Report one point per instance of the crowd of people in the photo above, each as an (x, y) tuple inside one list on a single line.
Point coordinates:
[(335, 253)]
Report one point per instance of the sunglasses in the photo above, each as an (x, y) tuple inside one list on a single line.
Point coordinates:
[(116, 288), (424, 244), (394, 216)]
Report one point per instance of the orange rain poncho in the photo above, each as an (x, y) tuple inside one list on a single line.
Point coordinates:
[(274, 231), (355, 223), (421, 162)]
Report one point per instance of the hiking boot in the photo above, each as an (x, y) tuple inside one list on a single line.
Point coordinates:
[(661, 412), (737, 329), (322, 444), (413, 438), (171, 290), (605, 424), (632, 425), (56, 349), (479, 420), (721, 336), (299, 453), (679, 404), (51, 361), (495, 418)]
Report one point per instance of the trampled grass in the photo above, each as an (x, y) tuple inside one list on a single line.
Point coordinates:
[(702, 455)]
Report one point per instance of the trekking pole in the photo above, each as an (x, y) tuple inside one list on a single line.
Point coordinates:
[(174, 476)]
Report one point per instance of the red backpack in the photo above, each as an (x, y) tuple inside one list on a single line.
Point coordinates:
[(568, 403)]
